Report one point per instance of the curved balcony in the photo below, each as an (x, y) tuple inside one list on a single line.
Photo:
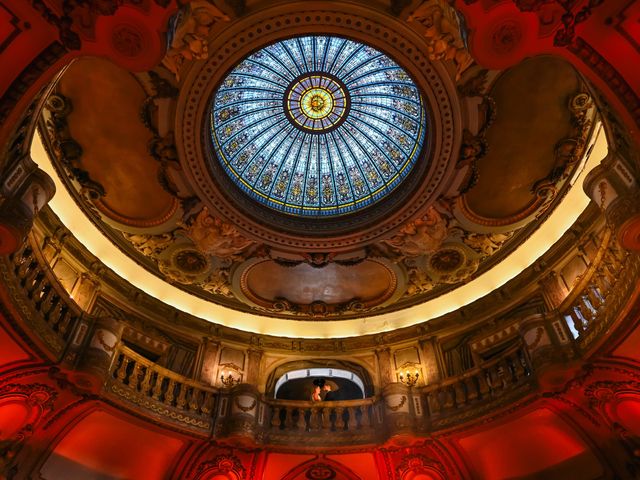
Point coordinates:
[(140, 385)]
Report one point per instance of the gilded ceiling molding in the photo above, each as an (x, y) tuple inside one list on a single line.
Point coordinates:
[(568, 152), (336, 234), (387, 274)]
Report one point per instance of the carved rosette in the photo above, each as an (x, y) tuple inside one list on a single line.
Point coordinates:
[(452, 263), (416, 465), (221, 465)]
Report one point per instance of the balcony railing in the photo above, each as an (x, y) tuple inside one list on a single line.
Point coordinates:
[(339, 422), (597, 298), (140, 383), (136, 383), (45, 306), (508, 374)]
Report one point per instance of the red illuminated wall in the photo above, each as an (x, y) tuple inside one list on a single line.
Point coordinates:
[(590, 429)]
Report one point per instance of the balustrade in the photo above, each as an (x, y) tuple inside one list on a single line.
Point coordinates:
[(603, 288), (481, 384), (49, 301), (140, 381), (335, 417), (595, 301)]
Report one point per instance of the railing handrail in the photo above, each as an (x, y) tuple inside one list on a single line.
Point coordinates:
[(477, 369), (584, 279), (52, 278), (143, 361), (305, 404)]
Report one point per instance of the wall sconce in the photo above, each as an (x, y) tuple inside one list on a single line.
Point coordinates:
[(229, 380), (409, 379)]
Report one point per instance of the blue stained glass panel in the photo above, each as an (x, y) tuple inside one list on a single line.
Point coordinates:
[(318, 126)]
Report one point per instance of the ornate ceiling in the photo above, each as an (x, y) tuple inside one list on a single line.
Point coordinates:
[(299, 175)]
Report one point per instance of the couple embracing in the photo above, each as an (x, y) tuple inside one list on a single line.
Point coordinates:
[(322, 391)]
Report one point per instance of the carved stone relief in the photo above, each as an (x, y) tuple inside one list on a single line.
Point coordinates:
[(443, 30), (188, 39)]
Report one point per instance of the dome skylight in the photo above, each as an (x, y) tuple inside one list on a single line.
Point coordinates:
[(318, 126)]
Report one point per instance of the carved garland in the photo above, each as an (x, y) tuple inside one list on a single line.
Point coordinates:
[(245, 409), (536, 340), (107, 348), (395, 408)]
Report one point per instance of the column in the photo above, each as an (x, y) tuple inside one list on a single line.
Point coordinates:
[(614, 188), (96, 356), (23, 193)]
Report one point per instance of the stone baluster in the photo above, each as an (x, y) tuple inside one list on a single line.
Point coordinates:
[(447, 397), (145, 385), (433, 402), (516, 367), (592, 292), (194, 400), (181, 400), (352, 419), (157, 387), (207, 403), (169, 394), (122, 370), (326, 418), (288, 419), (300, 419), (315, 418), (65, 321), (340, 423), (459, 393), (483, 386), (471, 388), (46, 301), (275, 417), (365, 418), (136, 376)]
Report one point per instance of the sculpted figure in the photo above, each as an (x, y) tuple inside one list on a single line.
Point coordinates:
[(190, 34), (442, 31), (149, 245), (215, 237), (419, 282), (487, 244), (421, 236)]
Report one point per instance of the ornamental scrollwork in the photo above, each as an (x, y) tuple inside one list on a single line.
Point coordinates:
[(417, 463), (222, 464), (420, 236), (66, 150), (214, 236)]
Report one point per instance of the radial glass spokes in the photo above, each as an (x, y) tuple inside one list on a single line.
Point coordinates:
[(318, 126)]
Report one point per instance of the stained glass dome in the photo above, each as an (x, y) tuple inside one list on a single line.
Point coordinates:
[(318, 126)]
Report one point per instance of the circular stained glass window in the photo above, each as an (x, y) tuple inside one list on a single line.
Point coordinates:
[(318, 126)]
